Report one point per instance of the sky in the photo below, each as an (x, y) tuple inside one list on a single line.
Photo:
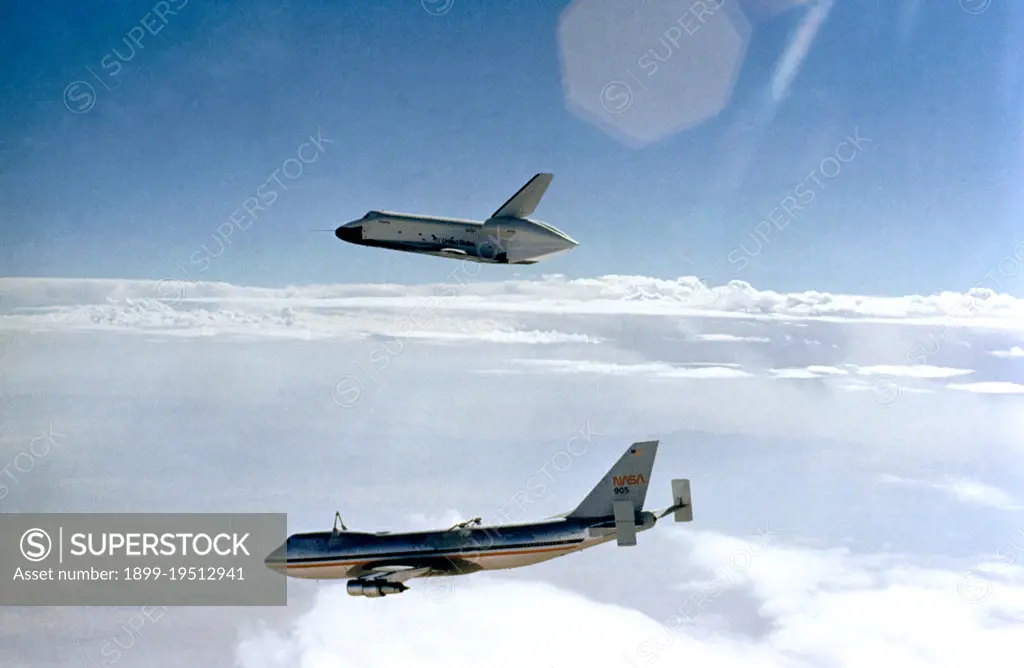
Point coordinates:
[(448, 107), (799, 270)]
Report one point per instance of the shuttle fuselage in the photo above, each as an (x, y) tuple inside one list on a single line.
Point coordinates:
[(507, 237)]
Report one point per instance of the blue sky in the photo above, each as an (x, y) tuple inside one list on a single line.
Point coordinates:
[(450, 114)]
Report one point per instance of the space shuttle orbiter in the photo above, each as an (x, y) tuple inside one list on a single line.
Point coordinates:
[(509, 236)]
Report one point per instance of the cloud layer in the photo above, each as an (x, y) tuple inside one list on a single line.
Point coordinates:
[(149, 304), (813, 608), (560, 312), (854, 460)]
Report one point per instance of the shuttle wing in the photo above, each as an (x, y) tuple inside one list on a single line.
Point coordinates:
[(524, 202)]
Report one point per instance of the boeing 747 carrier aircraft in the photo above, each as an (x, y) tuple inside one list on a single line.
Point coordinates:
[(509, 236), (378, 564)]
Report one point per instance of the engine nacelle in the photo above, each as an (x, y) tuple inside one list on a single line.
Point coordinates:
[(373, 589)]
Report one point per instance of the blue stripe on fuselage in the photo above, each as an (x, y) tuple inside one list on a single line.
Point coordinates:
[(423, 554), (327, 546)]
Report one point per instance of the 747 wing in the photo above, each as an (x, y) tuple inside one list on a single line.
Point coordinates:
[(395, 574)]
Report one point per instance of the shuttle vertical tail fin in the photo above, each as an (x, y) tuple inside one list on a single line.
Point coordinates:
[(524, 202)]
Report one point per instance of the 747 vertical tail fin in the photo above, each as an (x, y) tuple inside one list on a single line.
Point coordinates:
[(625, 481)]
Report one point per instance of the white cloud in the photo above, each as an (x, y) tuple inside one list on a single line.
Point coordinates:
[(653, 370), (919, 371), (531, 337), (812, 371), (994, 387), (973, 491), (962, 489), (794, 373), (826, 370), (89, 303), (818, 607), (731, 338), (1015, 351), (871, 389), (258, 319)]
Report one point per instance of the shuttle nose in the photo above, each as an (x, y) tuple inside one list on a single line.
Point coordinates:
[(350, 233)]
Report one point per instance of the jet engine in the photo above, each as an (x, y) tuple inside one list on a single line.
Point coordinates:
[(373, 589)]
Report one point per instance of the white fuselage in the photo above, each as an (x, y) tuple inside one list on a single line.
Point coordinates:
[(484, 561), (344, 555), (496, 240)]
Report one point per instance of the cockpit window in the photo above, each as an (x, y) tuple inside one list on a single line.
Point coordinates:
[(303, 542)]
